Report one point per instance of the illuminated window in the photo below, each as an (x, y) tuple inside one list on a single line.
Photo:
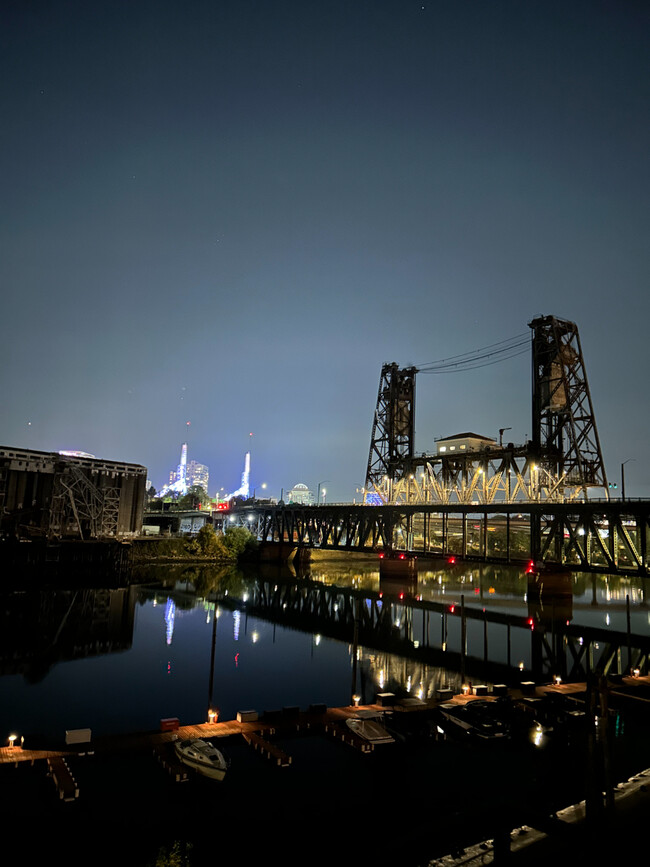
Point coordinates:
[(443, 448)]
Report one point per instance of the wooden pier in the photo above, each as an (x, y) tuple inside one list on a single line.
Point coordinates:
[(65, 783), (267, 749), (259, 733), (269, 736)]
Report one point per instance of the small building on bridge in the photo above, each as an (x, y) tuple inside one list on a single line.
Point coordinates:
[(464, 442)]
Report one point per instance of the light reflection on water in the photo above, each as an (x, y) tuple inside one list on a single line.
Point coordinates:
[(122, 660)]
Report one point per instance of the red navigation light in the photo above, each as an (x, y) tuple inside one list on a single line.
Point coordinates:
[(530, 569), (401, 596), (402, 556), (531, 622), (452, 560), (452, 608), (477, 590), (381, 556)]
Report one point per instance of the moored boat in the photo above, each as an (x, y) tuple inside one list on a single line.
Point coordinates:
[(367, 724), (203, 757), (479, 719)]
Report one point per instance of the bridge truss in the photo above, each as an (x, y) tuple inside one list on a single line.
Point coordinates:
[(563, 461), (606, 536)]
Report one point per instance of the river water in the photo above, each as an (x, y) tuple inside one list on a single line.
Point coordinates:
[(118, 660), (186, 641)]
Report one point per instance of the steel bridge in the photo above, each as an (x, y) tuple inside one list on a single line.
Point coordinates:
[(563, 460), (606, 536)]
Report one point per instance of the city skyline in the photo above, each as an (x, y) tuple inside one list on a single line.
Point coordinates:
[(234, 216)]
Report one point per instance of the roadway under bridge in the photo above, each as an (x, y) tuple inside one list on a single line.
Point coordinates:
[(600, 536)]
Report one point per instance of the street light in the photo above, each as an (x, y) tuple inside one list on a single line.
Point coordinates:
[(623, 477), (324, 492), (360, 489)]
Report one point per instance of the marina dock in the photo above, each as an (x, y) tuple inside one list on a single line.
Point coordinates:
[(272, 736), (630, 690)]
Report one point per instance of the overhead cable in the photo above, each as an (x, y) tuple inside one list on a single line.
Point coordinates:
[(492, 354)]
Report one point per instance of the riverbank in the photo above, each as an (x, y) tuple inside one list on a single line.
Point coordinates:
[(175, 549), (205, 547)]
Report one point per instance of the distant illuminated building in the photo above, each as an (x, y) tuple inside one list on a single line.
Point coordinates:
[(178, 480), (197, 475), (301, 494), (243, 490)]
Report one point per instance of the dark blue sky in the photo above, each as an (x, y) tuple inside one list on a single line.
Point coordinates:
[(233, 213)]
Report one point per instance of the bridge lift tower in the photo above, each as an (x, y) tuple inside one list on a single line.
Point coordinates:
[(562, 462)]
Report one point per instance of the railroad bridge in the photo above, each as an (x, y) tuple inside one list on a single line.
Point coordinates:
[(479, 498), (599, 536)]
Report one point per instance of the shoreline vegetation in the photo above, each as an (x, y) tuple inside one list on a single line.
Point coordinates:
[(206, 547)]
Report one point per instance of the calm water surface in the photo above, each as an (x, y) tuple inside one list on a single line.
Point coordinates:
[(78, 654), (119, 660)]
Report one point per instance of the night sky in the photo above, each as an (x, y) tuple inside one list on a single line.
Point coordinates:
[(232, 213)]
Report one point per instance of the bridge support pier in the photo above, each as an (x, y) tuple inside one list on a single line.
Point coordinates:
[(277, 552), (302, 556)]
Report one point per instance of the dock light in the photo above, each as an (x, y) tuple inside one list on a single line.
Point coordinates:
[(636, 672), (356, 699), (557, 680), (213, 715), (465, 689), (521, 666), (12, 740)]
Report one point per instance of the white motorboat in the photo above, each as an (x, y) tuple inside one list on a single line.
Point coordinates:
[(203, 757), (478, 719), (367, 724)]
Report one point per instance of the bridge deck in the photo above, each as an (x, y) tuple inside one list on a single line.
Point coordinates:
[(602, 536)]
